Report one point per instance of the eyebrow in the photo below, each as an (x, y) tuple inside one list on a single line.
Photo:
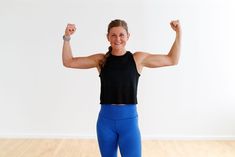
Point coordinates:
[(118, 34)]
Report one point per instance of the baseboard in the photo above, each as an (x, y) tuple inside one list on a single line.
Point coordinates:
[(193, 137), (88, 136), (47, 136)]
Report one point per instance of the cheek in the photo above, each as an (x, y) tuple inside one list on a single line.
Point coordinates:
[(110, 39), (124, 40)]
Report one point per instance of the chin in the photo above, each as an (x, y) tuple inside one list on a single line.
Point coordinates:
[(119, 47)]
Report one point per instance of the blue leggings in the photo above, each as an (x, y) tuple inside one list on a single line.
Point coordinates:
[(117, 126)]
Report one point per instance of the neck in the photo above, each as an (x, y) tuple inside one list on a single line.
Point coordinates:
[(118, 52)]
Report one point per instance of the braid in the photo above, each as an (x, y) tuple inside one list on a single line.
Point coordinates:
[(102, 62)]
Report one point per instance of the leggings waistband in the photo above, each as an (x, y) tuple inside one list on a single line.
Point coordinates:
[(118, 111)]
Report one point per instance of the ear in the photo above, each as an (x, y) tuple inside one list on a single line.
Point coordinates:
[(128, 35)]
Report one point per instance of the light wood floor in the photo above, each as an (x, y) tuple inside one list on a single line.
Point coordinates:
[(89, 148)]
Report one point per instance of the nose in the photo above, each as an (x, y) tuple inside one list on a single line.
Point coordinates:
[(118, 38)]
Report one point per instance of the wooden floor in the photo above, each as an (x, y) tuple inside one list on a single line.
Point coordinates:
[(89, 148)]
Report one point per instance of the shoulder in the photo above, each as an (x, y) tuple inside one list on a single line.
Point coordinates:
[(139, 56), (97, 56), (140, 53)]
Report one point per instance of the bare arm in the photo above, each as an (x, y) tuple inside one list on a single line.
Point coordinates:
[(157, 60), (77, 62)]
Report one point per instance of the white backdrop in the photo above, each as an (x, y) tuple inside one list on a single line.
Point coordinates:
[(41, 98)]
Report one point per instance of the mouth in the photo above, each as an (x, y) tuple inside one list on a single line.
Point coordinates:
[(117, 44)]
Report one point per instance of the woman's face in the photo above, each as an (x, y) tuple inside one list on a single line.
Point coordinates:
[(118, 37)]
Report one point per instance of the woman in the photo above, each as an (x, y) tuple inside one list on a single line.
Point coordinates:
[(117, 124)]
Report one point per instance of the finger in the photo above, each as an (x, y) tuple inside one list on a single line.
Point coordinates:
[(71, 30), (72, 27), (174, 23)]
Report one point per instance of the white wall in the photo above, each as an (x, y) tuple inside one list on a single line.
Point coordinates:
[(41, 98)]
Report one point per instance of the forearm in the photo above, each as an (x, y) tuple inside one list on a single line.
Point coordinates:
[(66, 53), (67, 56), (174, 52)]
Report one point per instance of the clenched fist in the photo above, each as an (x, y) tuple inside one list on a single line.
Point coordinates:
[(70, 29), (175, 25)]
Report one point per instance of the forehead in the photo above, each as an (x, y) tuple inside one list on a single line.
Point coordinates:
[(117, 30)]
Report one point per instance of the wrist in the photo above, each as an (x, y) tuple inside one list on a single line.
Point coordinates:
[(66, 37), (178, 34)]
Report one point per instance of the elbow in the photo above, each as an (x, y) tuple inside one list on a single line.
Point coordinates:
[(174, 62), (66, 64)]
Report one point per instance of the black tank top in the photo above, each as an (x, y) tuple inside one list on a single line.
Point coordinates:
[(119, 80)]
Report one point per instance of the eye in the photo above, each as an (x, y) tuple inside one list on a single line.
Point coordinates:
[(122, 35)]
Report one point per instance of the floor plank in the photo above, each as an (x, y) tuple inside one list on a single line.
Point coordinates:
[(89, 148)]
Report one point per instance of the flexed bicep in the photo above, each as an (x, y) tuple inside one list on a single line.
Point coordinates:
[(144, 59), (91, 61), (156, 60)]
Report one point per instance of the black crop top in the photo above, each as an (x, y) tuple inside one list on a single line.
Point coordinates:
[(119, 80)]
